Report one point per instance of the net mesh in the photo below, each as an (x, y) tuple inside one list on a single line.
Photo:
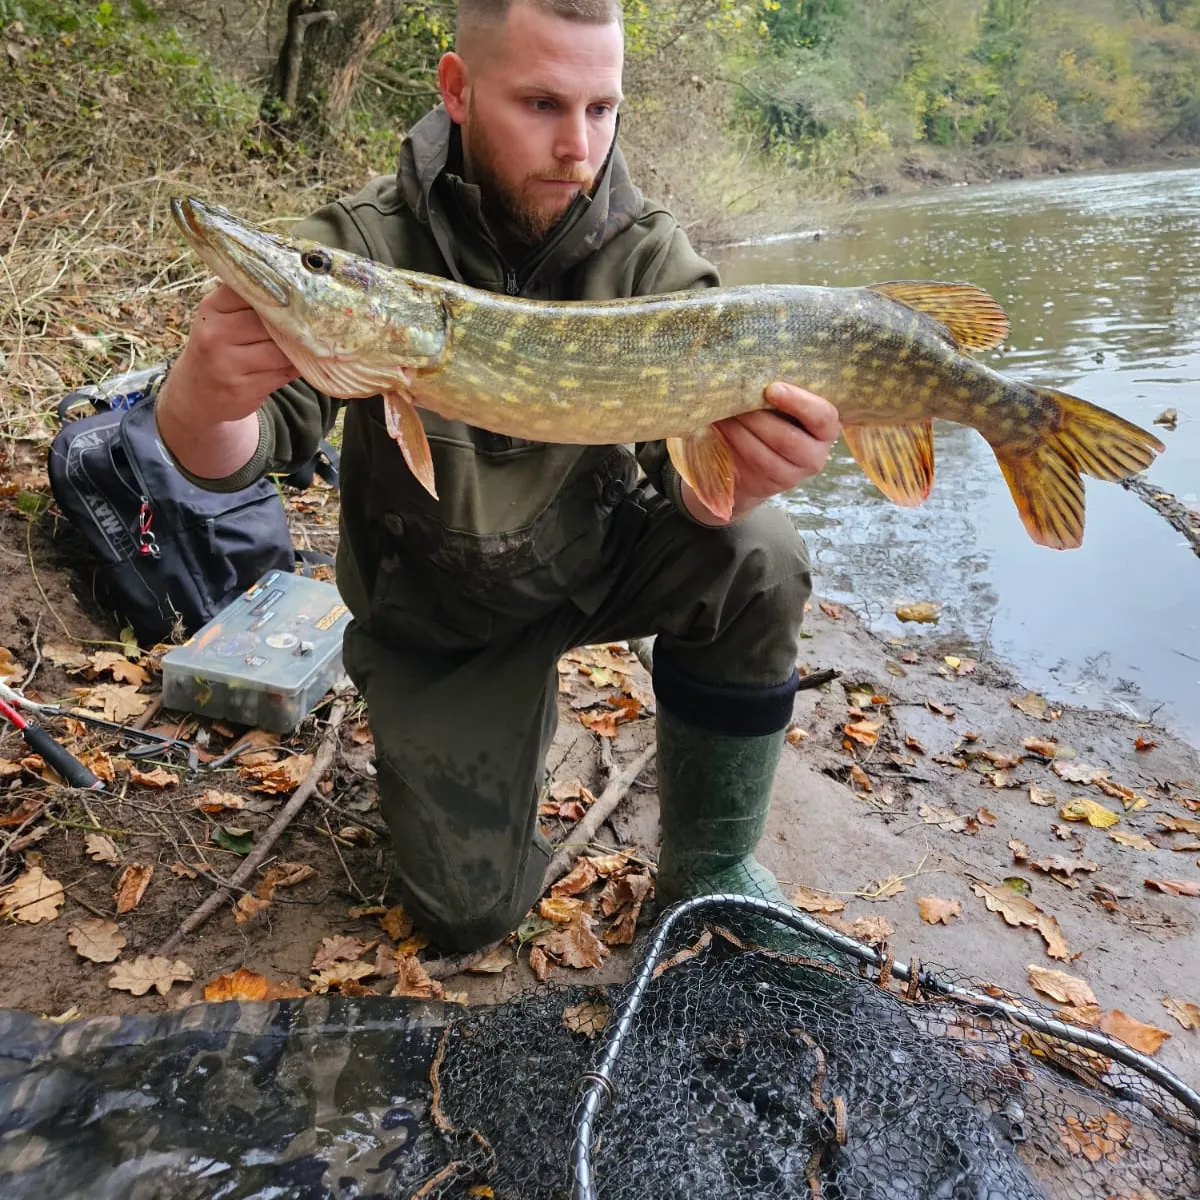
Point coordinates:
[(748, 1072)]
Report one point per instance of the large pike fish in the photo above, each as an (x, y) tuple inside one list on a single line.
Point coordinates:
[(891, 357)]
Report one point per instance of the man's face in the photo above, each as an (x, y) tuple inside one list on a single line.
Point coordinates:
[(538, 113)]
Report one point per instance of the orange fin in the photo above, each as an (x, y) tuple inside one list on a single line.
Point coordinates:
[(975, 321), (406, 429), (1045, 482), (705, 462), (898, 459)]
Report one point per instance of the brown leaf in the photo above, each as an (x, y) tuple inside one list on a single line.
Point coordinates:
[(1019, 910), (926, 611), (1058, 985), (912, 743), (933, 909), (214, 801), (602, 723), (816, 902), (588, 1017), (1178, 824), (1096, 1137), (1184, 1011), (397, 924), (11, 671), (795, 735), (99, 763), (276, 778), (629, 708), (340, 949), (96, 940), (131, 886), (539, 963), (1175, 887), (182, 870), (412, 981), (1136, 841), (571, 789), (239, 985), (1033, 705), (560, 909), (1077, 772), (606, 864), (860, 778), (284, 875), (872, 930), (623, 930), (575, 945), (940, 709), (1143, 744), (1146, 1038), (248, 907), (366, 910), (494, 962), (146, 972), (101, 849), (70, 658), (580, 878), (832, 611), (122, 670), (339, 973), (1041, 796), (360, 734), (8, 769), (881, 889), (159, 777), (1044, 747), (625, 891), (1056, 864), (1020, 851), (119, 703), (947, 819)]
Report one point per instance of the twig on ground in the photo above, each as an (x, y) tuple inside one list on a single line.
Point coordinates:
[(320, 765), (37, 654), (817, 678), (349, 878)]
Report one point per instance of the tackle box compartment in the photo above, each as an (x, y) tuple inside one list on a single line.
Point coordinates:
[(265, 659)]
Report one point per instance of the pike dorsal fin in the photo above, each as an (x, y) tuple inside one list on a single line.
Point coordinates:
[(898, 459), (975, 321)]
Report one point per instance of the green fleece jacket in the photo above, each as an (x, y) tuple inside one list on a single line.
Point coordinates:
[(520, 526)]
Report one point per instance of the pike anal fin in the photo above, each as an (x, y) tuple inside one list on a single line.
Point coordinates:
[(704, 461), (404, 425), (898, 459)]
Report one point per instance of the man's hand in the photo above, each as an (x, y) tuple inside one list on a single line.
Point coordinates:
[(228, 367), (773, 451)]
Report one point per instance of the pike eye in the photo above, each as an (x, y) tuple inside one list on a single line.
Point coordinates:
[(317, 261)]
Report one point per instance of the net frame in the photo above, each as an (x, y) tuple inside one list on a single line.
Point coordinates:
[(598, 1089)]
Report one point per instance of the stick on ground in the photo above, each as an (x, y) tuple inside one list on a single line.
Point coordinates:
[(274, 830)]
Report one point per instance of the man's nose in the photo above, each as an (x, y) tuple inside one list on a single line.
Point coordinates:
[(572, 141)]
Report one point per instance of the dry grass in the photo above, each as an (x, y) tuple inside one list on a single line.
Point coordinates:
[(98, 134)]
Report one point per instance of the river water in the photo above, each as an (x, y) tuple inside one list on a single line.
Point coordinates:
[(1100, 275)]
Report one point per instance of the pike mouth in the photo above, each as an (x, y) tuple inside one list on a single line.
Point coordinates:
[(243, 257)]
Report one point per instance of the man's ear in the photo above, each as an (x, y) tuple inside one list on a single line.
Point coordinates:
[(453, 84)]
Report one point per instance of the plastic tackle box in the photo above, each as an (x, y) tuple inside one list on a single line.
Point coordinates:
[(266, 659)]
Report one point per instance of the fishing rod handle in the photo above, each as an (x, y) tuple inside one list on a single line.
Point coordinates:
[(61, 759)]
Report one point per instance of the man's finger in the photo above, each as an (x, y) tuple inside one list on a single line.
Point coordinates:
[(814, 412), (785, 435), (225, 299), (758, 466)]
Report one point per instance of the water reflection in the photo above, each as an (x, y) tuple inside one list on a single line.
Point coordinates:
[(1100, 275)]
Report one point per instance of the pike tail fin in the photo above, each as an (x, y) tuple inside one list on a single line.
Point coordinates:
[(704, 461), (1045, 482)]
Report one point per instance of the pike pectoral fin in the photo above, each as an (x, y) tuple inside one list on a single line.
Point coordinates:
[(898, 459), (705, 462), (404, 424), (1045, 481), (974, 319)]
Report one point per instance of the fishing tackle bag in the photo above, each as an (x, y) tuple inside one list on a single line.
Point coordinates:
[(169, 555)]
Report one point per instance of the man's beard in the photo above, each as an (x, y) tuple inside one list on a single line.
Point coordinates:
[(524, 220)]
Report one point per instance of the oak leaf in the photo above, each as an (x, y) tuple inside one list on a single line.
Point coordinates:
[(131, 886), (32, 897), (248, 907), (589, 1017), (148, 972), (101, 849), (872, 930), (933, 909), (602, 723), (575, 944), (412, 981), (339, 973), (11, 671), (881, 889), (118, 702), (1184, 1011), (340, 949), (816, 902), (396, 923), (278, 777), (99, 763), (96, 940)]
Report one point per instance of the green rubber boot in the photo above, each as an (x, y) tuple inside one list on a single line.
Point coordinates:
[(714, 791)]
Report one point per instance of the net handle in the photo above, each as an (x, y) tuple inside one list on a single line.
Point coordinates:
[(598, 1088)]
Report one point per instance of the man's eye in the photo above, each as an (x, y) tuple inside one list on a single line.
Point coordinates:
[(543, 105), (601, 110)]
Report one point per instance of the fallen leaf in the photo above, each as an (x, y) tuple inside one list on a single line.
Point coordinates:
[(1136, 841), (131, 886), (575, 945), (1058, 985), (599, 722), (182, 870), (99, 763), (589, 1017), (248, 907), (119, 703), (816, 902), (571, 789), (101, 849), (96, 940), (494, 962), (159, 777), (278, 777), (1078, 772), (214, 801), (1146, 1038), (366, 910), (625, 891), (881, 890), (11, 671), (1175, 887), (1041, 796), (1144, 744), (8, 769), (1041, 746), (235, 840), (947, 819), (361, 735), (933, 909), (872, 930), (70, 658), (411, 945), (1168, 417), (338, 974), (413, 982), (559, 909), (860, 778), (358, 835), (146, 972), (580, 878), (912, 743), (284, 875), (1056, 864), (1019, 910), (795, 735), (1117, 791), (1091, 811), (1184, 1011), (397, 924), (1033, 705), (1096, 1137), (925, 611), (1178, 824), (1020, 851), (832, 611), (985, 816), (606, 864), (340, 949), (539, 963), (238, 985), (940, 709), (121, 669), (865, 731)]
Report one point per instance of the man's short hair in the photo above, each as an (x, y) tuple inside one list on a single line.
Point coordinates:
[(481, 16)]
